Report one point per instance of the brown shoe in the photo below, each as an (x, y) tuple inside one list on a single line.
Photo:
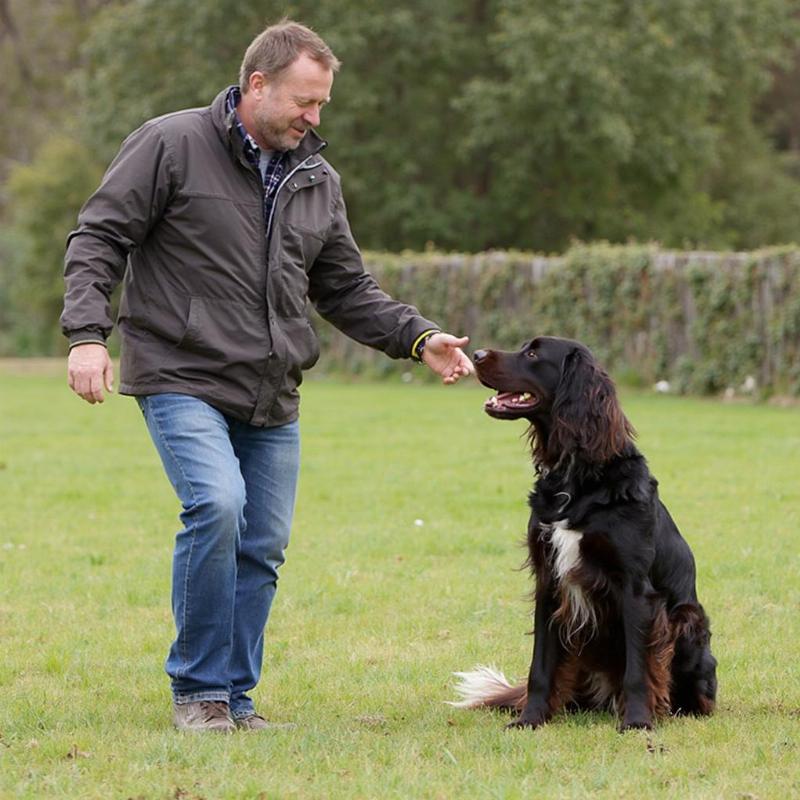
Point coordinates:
[(205, 715), (255, 722)]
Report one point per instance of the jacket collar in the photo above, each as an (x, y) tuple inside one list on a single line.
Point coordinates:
[(225, 125)]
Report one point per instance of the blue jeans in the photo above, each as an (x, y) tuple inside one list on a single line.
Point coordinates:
[(236, 483)]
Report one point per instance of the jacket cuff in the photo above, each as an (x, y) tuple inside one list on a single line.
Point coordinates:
[(419, 343), (85, 337)]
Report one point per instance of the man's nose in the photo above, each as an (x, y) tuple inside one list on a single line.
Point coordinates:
[(312, 117)]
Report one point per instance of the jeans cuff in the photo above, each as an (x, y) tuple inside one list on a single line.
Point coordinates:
[(180, 698)]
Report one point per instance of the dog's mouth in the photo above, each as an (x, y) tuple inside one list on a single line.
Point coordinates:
[(510, 404)]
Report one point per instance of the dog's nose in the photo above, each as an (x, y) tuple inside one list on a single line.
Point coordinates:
[(479, 355)]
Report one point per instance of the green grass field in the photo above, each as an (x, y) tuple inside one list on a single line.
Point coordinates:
[(402, 569)]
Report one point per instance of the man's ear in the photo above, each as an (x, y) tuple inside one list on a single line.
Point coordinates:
[(257, 83)]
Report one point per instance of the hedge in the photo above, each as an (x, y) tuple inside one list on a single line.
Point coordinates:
[(704, 322)]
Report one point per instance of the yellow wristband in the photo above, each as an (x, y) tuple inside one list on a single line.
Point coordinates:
[(415, 354)]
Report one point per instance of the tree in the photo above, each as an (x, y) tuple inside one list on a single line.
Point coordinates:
[(151, 57), (497, 123), (45, 198), (394, 124), (39, 48), (622, 117)]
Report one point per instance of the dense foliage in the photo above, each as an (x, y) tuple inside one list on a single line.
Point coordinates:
[(703, 322), (461, 125)]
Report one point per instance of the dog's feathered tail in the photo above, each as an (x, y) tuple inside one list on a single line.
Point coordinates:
[(487, 687)]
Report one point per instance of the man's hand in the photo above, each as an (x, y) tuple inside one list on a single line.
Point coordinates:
[(443, 354), (89, 369)]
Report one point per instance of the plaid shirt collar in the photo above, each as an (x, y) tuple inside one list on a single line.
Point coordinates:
[(251, 150), (271, 172)]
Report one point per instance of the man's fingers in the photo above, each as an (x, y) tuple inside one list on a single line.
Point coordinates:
[(108, 376), (454, 341), (79, 384), (87, 385), (463, 365), (89, 388), (450, 376), (96, 389)]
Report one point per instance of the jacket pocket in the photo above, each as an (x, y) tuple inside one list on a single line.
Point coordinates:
[(224, 330), (302, 345)]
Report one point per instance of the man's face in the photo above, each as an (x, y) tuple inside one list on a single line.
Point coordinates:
[(285, 107)]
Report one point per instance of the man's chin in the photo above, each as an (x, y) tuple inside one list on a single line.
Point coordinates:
[(295, 138), (284, 141), (288, 143)]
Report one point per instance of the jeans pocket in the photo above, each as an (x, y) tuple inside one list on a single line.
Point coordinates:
[(142, 402)]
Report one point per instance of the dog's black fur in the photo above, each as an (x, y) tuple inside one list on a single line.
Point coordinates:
[(617, 622)]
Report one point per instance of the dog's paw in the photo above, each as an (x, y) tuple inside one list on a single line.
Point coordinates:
[(640, 724), (524, 721)]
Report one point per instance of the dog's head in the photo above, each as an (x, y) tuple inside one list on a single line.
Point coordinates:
[(556, 385)]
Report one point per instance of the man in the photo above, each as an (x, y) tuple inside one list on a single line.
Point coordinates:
[(222, 222)]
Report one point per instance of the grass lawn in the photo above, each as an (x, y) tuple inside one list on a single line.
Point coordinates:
[(402, 569)]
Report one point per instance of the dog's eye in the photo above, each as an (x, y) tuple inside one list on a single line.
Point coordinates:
[(532, 354)]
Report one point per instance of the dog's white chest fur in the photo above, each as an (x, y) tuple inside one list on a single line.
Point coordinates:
[(566, 549), (577, 612)]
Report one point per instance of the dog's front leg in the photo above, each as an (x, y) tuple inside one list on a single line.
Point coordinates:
[(547, 652), (637, 624)]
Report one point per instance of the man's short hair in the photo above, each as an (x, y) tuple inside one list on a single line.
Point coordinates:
[(278, 46)]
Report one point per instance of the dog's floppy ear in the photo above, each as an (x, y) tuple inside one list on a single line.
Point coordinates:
[(586, 413)]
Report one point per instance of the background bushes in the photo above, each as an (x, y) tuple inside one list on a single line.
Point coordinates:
[(705, 322)]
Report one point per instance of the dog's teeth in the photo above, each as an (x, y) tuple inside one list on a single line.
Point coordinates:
[(494, 401), (526, 396)]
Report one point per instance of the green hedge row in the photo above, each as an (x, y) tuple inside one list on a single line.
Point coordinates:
[(704, 322)]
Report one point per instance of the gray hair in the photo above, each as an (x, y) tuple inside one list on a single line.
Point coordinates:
[(278, 47)]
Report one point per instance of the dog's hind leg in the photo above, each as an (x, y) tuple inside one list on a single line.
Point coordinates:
[(694, 668), (660, 651)]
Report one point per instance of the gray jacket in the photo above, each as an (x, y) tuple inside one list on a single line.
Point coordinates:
[(205, 310)]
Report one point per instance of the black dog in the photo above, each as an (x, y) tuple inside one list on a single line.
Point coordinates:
[(617, 624)]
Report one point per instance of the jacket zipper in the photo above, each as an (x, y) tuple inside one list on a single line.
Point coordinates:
[(301, 165), (268, 238)]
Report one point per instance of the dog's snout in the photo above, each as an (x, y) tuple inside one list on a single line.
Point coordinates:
[(480, 355)]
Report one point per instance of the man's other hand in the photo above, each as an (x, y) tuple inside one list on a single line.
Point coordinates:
[(89, 370), (443, 354)]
